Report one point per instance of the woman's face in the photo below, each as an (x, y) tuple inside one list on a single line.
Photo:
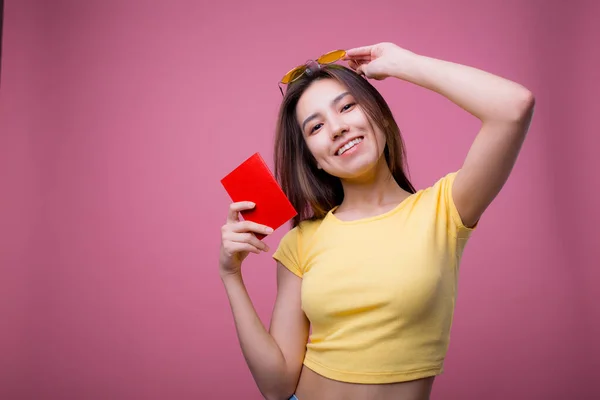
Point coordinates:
[(337, 131)]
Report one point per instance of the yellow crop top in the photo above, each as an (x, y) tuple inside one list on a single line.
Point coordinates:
[(379, 292)]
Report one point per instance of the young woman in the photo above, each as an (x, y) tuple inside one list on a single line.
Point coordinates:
[(367, 275)]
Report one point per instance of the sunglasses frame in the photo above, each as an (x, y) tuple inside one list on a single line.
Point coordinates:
[(306, 67)]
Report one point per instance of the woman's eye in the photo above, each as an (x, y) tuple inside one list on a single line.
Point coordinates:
[(316, 127), (347, 106)]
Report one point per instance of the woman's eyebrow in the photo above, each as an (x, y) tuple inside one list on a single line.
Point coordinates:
[(333, 102)]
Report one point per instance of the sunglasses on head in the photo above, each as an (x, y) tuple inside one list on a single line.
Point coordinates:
[(294, 74)]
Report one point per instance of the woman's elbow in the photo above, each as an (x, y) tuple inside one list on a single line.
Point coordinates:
[(282, 390), (524, 105), (278, 394)]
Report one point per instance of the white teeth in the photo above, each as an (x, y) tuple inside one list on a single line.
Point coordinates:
[(348, 146)]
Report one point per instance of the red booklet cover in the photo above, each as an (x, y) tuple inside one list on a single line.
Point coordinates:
[(253, 181)]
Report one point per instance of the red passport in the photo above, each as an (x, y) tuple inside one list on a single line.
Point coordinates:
[(253, 181)]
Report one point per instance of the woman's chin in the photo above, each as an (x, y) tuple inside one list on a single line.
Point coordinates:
[(358, 171)]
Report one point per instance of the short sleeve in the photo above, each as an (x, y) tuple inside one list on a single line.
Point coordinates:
[(287, 252), (447, 206)]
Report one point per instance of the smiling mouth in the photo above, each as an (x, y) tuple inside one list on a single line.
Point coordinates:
[(348, 146)]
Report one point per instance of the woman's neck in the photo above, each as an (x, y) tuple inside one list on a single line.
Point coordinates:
[(377, 191)]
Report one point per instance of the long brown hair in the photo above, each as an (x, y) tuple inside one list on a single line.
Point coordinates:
[(312, 191)]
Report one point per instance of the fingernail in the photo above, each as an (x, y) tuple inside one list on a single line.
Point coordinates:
[(269, 230), (251, 204)]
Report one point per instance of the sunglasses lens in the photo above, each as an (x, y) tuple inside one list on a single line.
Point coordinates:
[(332, 56), (293, 74), (328, 58)]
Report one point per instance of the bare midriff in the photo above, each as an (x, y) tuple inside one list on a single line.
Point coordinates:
[(313, 386)]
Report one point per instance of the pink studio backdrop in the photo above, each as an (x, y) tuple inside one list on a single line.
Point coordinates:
[(118, 119)]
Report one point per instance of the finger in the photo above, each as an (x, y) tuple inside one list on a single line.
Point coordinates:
[(250, 226), (364, 51), (365, 57), (354, 64), (359, 59), (235, 208), (237, 247), (248, 238), (361, 69)]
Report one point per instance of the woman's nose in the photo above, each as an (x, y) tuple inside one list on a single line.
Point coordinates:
[(338, 128)]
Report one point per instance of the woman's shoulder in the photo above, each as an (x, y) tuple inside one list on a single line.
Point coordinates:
[(305, 228), (310, 224), (440, 188), (291, 247)]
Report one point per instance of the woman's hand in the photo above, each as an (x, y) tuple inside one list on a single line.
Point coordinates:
[(238, 240), (379, 61)]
